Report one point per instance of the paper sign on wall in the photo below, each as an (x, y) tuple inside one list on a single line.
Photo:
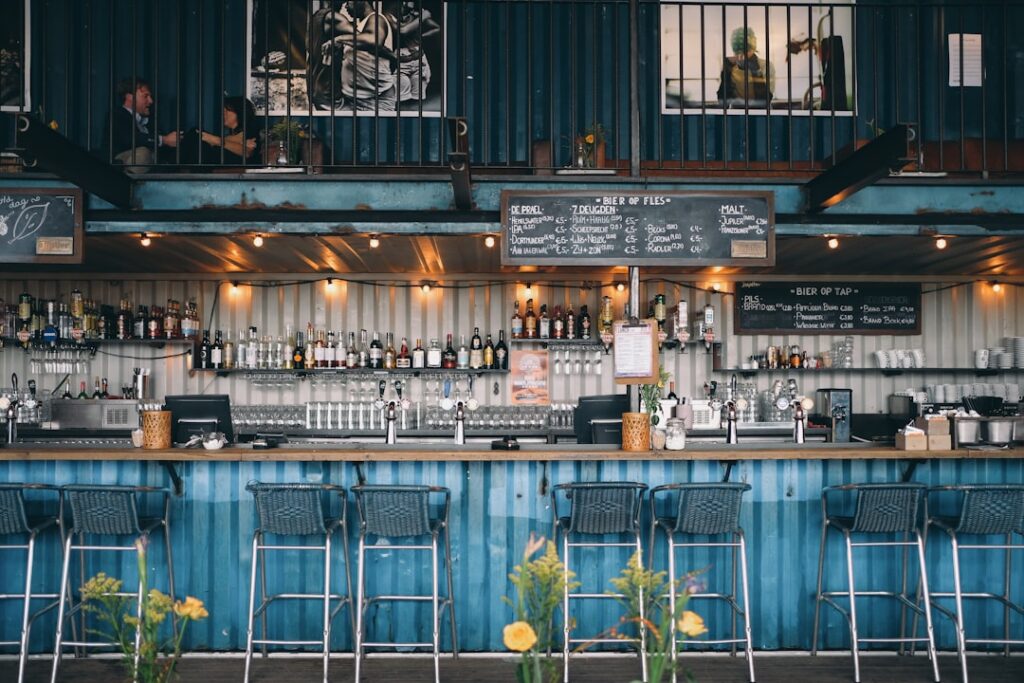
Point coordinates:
[(636, 352), (973, 69), (529, 371)]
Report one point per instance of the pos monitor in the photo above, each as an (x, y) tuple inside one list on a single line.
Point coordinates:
[(197, 414), (591, 408)]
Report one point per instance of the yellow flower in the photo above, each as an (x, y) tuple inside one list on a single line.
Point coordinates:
[(53, 124), (589, 139), (519, 636), (192, 608), (692, 624)]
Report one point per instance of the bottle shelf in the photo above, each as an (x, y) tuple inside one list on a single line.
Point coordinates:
[(980, 372), (345, 372), (559, 343), (88, 343)]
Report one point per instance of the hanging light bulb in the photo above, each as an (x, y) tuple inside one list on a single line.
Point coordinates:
[(996, 287), (374, 242), (489, 241), (425, 288), (145, 240), (833, 242), (620, 287), (716, 286), (529, 289), (941, 243), (257, 241)]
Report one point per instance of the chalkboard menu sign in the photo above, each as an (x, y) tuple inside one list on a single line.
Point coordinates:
[(637, 228), (41, 226), (828, 308)]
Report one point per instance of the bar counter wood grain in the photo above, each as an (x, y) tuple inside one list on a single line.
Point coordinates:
[(419, 452)]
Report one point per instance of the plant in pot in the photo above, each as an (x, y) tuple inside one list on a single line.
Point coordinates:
[(287, 139)]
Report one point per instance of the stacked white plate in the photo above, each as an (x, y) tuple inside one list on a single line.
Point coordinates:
[(1018, 352), (994, 352), (1005, 361)]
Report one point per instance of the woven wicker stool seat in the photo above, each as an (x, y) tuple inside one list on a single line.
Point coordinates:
[(397, 516), (994, 512), (296, 510), (108, 513), (19, 532), (711, 510), (596, 509), (885, 515)]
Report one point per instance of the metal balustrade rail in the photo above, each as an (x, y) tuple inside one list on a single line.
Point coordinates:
[(633, 87)]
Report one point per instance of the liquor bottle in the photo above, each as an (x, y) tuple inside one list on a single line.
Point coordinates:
[(530, 323), (82, 393), (449, 359), (51, 334), (544, 323), (172, 319), (331, 351), (309, 356), (584, 323), (240, 350), (404, 360), (138, 325), (155, 324), (659, 311), (462, 357), (390, 356), (501, 352), (489, 353), (103, 388), (298, 352), (217, 352), (517, 322), (570, 323), (557, 324), (419, 356), (96, 392), (672, 393), (364, 351), (67, 391), (476, 350), (204, 351), (320, 351), (607, 315), (434, 355), (352, 354), (124, 320), (376, 352), (252, 356)]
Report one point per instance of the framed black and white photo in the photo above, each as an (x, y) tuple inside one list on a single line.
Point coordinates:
[(751, 57), (362, 57), (15, 51)]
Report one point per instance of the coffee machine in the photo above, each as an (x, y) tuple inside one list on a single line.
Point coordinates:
[(834, 409)]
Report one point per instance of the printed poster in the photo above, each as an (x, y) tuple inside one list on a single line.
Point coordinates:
[(529, 370)]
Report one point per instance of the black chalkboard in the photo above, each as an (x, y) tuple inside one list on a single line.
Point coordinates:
[(41, 226), (827, 308), (637, 228)]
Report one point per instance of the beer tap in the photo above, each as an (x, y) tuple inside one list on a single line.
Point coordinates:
[(798, 423), (11, 410), (460, 423), (731, 435), (390, 435)]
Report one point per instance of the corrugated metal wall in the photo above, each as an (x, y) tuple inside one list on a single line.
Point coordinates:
[(213, 521), (955, 322)]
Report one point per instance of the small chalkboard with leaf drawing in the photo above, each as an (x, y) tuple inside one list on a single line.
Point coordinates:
[(41, 225)]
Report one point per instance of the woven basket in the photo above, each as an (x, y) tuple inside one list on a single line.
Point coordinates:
[(156, 429), (636, 432)]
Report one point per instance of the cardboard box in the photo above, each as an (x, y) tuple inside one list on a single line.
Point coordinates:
[(915, 441), (940, 442), (938, 425)]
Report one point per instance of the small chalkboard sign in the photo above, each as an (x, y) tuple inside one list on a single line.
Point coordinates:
[(828, 308), (637, 228), (41, 225)]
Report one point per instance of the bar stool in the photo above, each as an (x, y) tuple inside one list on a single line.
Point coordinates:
[(711, 509), (15, 521), (295, 510), (984, 510), (405, 512), (880, 509), (107, 511), (597, 509)]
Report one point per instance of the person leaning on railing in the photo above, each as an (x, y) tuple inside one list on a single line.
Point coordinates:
[(241, 139), (129, 139), (745, 76)]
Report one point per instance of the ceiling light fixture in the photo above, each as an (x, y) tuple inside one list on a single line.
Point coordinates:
[(996, 287), (529, 289), (716, 286), (425, 288), (620, 287), (257, 241)]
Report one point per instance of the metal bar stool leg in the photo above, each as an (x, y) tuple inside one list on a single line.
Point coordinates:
[(60, 608), (905, 551), (327, 603), (673, 638), (26, 609), (732, 645), (821, 571), (361, 588), (932, 654), (254, 563), (565, 609), (436, 621), (643, 616), (451, 592), (746, 606), (263, 598), (138, 624), (348, 580), (854, 644), (170, 569), (1006, 598), (958, 623)]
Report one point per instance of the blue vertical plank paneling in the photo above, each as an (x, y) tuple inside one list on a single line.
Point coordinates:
[(495, 506)]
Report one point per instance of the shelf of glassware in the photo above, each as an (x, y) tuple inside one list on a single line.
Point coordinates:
[(588, 344), (357, 372), (12, 342)]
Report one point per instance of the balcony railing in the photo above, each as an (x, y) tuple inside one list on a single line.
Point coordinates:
[(633, 87)]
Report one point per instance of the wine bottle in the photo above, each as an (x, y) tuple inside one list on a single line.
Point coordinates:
[(544, 323), (530, 323), (217, 352), (82, 393), (476, 350), (376, 352), (204, 351), (96, 393), (449, 359), (501, 352), (390, 356), (419, 356), (517, 322)]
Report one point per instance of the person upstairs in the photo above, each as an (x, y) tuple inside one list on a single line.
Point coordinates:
[(745, 76), (129, 139)]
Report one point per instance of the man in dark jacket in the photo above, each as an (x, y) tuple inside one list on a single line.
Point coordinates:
[(130, 140)]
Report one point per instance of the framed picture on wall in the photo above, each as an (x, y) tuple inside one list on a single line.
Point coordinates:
[(742, 57), (15, 53), (362, 57)]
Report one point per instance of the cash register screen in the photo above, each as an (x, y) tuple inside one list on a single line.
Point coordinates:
[(591, 408), (196, 414)]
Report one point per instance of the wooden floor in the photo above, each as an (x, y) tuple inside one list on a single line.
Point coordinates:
[(706, 669)]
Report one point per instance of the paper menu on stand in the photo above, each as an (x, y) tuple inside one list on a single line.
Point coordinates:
[(635, 352)]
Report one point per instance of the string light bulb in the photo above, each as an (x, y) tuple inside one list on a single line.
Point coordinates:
[(716, 286), (941, 243), (145, 240), (833, 242), (234, 287), (996, 287), (257, 240), (374, 242), (425, 288), (489, 241), (620, 287), (330, 283), (529, 289)]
